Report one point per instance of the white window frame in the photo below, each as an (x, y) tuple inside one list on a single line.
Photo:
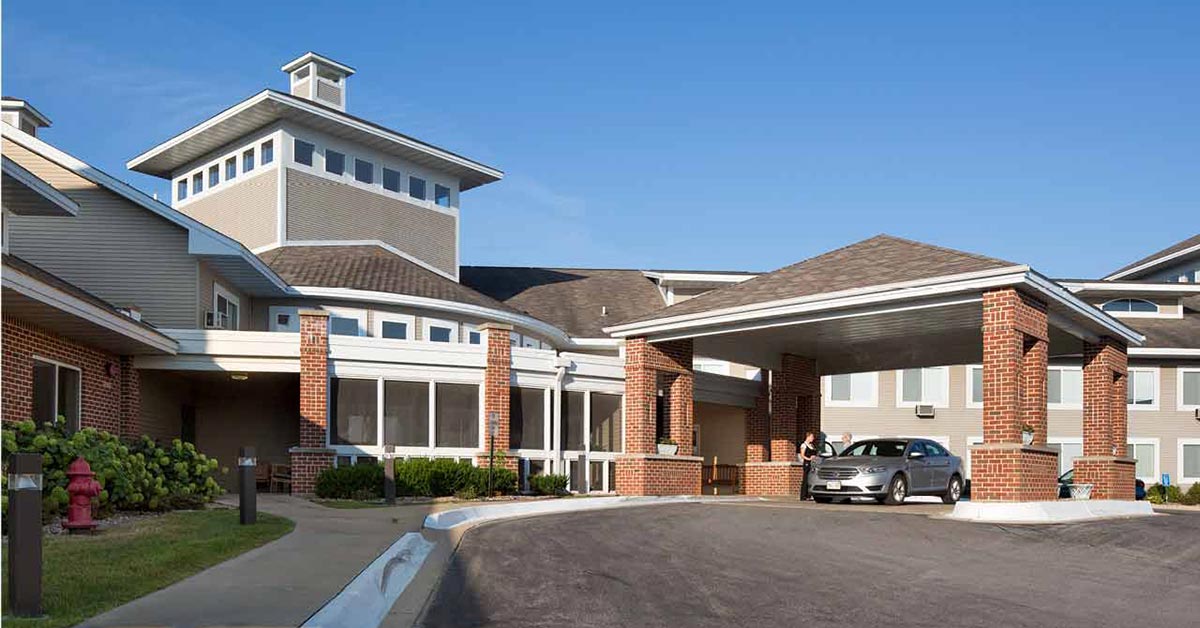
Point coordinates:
[(346, 312), (430, 449), (1157, 388), (223, 292), (1157, 313), (1141, 440), (391, 317), (1179, 404), (469, 329), (427, 323), (945, 403), (275, 310), (1065, 440), (1183, 479), (78, 393), (971, 442), (969, 385), (1064, 406), (871, 402)]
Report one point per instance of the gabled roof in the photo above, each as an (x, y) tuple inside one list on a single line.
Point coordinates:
[(1173, 252), (269, 106), (580, 301), (880, 260), (1174, 333), (26, 194)]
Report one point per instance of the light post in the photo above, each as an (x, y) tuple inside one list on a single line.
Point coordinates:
[(25, 535), (247, 488), (493, 427), (389, 475)]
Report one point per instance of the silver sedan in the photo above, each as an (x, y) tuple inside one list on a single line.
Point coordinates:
[(888, 469)]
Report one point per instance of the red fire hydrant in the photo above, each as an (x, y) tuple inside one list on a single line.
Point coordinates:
[(82, 488)]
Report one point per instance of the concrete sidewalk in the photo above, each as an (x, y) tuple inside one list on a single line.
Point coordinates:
[(283, 582)]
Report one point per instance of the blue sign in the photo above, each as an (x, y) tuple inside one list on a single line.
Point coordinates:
[(1166, 479)]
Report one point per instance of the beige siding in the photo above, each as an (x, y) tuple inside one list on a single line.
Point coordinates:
[(207, 278), (115, 249), (246, 211), (320, 209)]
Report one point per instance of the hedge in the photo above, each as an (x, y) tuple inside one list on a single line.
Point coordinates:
[(138, 474), (415, 477), (549, 484)]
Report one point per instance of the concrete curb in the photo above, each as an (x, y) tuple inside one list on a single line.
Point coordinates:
[(1048, 512), (368, 598), (474, 515)]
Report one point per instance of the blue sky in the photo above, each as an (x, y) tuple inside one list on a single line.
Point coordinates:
[(694, 135)]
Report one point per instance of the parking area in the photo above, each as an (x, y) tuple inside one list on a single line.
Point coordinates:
[(785, 563)]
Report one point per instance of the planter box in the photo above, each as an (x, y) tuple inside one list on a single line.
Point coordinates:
[(668, 450)]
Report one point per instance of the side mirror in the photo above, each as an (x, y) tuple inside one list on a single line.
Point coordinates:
[(913, 455)]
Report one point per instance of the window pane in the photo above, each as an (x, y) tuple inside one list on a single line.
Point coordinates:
[(596, 475), (839, 388), (1066, 459), (1144, 453), (441, 195), (181, 189), (1191, 461), (572, 418), (197, 183), (335, 162), (977, 385), (354, 411), (527, 412), (576, 475), (934, 385), (364, 171), (1072, 387), (230, 168), (416, 188), (862, 387), (1120, 305), (214, 176), (303, 152), (474, 337), (268, 152), (607, 428), (395, 329), (391, 180), (1141, 387), (248, 160), (406, 414), (341, 326), (1054, 386), (44, 395), (439, 334), (1191, 387), (912, 385), (1138, 305), (457, 415)]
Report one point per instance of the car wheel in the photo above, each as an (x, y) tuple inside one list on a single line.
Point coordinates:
[(954, 491), (897, 490), (821, 499)]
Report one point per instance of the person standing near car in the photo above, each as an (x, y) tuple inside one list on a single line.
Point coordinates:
[(847, 440), (808, 452)]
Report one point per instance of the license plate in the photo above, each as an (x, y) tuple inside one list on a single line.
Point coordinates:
[(834, 486)]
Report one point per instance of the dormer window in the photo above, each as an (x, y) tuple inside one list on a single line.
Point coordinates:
[(1130, 305)]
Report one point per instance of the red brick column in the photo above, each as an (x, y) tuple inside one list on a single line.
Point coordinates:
[(1105, 463), (131, 399), (757, 421), (312, 455), (783, 418), (1015, 335), (497, 379), (641, 470), (795, 410)]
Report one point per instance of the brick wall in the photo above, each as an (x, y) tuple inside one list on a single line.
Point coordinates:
[(772, 478), (312, 456), (497, 380), (757, 425), (101, 402), (1015, 331), (651, 474), (643, 363), (795, 405), (1010, 472), (1104, 464), (131, 398)]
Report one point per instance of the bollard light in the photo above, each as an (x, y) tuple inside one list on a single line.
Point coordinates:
[(25, 535), (247, 489), (389, 474)]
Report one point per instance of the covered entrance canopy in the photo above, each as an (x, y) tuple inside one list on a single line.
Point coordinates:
[(891, 303)]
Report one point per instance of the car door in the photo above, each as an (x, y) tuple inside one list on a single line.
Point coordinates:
[(918, 469), (938, 463)]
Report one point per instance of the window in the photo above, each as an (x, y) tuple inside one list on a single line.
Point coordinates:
[(527, 413), (474, 336), (267, 152), (181, 189), (302, 152), (354, 405), (227, 307), (457, 415), (852, 389), (345, 325), (364, 171), (391, 180), (335, 162), (440, 331), (230, 168), (214, 175), (394, 326), (1189, 460), (1068, 451), (924, 385), (1189, 389), (441, 195), (1141, 392), (974, 386), (284, 318), (197, 183), (1146, 453), (705, 365), (572, 420), (56, 392), (1064, 387), (1130, 305), (248, 160), (416, 187), (607, 427), (406, 414)]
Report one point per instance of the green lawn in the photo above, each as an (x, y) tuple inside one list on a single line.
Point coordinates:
[(87, 575), (349, 504)]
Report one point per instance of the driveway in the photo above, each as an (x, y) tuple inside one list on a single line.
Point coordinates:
[(787, 564)]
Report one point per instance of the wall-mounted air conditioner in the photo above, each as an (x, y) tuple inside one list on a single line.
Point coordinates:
[(216, 320), (924, 410)]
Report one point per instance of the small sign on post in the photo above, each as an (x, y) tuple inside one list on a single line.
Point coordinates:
[(389, 474), (493, 430)]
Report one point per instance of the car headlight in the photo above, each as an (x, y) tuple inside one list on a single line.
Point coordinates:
[(870, 470)]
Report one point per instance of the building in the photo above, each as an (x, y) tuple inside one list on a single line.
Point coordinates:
[(302, 292)]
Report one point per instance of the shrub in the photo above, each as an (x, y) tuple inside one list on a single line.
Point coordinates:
[(1192, 496), (415, 477), (137, 475), (360, 481), (549, 484), (1155, 494)]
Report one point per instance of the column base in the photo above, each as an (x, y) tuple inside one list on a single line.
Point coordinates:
[(772, 478), (655, 474), (1012, 472), (1111, 477), (307, 464), (504, 460)]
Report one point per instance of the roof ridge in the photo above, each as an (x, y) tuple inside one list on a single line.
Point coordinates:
[(944, 249)]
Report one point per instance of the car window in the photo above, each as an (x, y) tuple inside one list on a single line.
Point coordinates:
[(918, 448), (885, 448), (934, 449)]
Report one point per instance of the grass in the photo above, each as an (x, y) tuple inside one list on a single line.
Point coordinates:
[(86, 575), (350, 504)]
